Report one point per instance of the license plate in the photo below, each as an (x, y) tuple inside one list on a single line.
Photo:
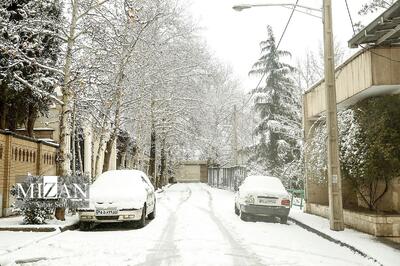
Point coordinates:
[(267, 201), (106, 212)]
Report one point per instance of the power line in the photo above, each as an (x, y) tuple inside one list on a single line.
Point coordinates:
[(277, 47), (363, 47), (351, 19)]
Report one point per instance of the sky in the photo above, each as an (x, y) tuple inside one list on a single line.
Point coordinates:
[(234, 37)]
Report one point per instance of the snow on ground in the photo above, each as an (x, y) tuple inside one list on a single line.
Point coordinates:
[(17, 222), (278, 244), (366, 243), (195, 225), (12, 240)]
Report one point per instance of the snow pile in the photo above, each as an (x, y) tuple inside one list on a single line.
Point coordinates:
[(368, 244)]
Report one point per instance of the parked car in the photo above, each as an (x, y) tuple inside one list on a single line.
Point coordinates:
[(119, 196), (262, 196)]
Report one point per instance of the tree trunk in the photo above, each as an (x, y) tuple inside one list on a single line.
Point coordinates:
[(107, 153), (73, 138), (95, 172), (79, 150), (163, 163), (30, 122), (65, 129), (3, 106), (60, 214), (152, 160)]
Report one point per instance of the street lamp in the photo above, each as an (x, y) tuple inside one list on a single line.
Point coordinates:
[(334, 177), (299, 8)]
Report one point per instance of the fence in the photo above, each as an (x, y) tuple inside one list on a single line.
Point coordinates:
[(226, 178), (231, 177), (296, 197), (20, 155)]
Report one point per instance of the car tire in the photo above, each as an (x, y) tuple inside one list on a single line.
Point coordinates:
[(237, 211), (142, 221), (283, 219), (152, 215), (244, 216), (85, 226)]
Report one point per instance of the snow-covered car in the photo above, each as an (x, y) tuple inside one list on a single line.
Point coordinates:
[(262, 196), (119, 196)]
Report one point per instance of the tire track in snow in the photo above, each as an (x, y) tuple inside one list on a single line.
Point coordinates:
[(239, 251), (166, 249)]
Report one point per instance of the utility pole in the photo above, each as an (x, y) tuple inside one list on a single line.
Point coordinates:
[(334, 177), (235, 137)]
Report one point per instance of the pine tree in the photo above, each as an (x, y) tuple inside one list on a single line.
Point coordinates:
[(29, 46), (278, 108)]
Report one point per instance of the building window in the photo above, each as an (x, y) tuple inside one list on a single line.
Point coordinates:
[(16, 154), (34, 157), (30, 157), (19, 155), (1, 152), (23, 155)]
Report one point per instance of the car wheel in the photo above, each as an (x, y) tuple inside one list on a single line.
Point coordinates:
[(244, 216), (84, 226), (142, 221), (237, 212), (152, 215), (283, 219)]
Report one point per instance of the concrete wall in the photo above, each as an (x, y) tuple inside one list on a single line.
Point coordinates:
[(195, 171), (20, 156), (366, 71), (374, 224)]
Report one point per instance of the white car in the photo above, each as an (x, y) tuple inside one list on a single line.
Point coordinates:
[(119, 196), (262, 196)]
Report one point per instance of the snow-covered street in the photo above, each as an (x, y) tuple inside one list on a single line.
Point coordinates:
[(195, 225)]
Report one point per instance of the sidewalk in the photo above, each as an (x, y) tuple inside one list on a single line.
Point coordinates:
[(14, 223), (371, 246), (14, 235)]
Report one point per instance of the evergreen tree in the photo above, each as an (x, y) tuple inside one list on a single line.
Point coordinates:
[(278, 107), (29, 46)]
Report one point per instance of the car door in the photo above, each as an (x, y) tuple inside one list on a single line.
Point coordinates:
[(150, 194)]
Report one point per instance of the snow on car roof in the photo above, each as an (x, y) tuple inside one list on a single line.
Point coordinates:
[(117, 184), (122, 173), (270, 182)]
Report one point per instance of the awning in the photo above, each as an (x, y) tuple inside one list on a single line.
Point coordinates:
[(383, 31)]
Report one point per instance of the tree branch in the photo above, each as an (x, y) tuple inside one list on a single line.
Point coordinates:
[(43, 93)]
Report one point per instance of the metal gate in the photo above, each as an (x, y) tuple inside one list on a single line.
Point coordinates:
[(226, 178)]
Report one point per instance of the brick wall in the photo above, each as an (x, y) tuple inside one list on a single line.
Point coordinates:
[(20, 156)]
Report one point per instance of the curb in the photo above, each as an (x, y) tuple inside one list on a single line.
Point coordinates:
[(333, 240), (43, 229)]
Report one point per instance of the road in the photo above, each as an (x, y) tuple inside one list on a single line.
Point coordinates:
[(195, 225)]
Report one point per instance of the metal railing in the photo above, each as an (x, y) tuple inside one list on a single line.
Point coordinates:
[(226, 178), (296, 195)]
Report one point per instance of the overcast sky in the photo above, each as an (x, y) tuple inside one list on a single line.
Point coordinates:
[(234, 36)]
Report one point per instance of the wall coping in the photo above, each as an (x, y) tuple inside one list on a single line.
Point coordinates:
[(8, 132), (365, 214)]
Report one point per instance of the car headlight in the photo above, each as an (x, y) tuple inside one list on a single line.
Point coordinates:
[(249, 199)]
